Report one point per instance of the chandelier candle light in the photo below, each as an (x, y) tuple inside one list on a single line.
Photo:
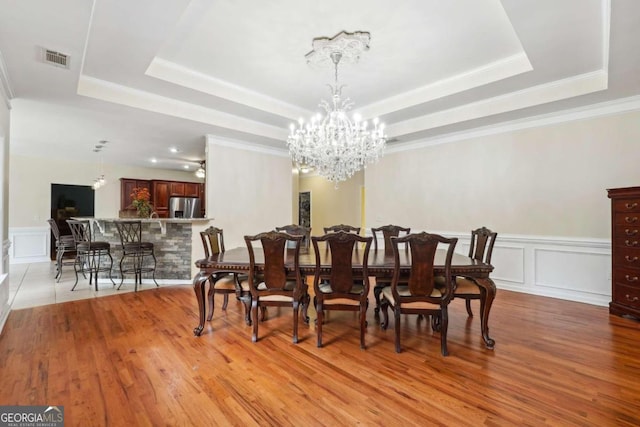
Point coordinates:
[(333, 145)]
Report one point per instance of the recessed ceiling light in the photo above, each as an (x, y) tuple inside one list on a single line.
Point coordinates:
[(186, 166), (174, 150), (154, 160)]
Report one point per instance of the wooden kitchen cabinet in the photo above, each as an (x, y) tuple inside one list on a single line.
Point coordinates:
[(176, 189), (192, 189), (126, 188), (160, 198), (160, 191)]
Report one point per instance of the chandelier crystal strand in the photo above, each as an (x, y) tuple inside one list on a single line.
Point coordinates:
[(332, 144)]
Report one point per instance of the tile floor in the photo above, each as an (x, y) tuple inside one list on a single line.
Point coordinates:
[(34, 284)]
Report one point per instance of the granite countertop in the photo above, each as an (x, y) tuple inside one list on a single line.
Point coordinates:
[(161, 222), (187, 220)]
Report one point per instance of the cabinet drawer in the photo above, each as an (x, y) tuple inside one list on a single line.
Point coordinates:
[(626, 205), (627, 242), (626, 232), (627, 258), (627, 295), (627, 277), (628, 219)]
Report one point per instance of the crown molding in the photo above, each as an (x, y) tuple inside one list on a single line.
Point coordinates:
[(6, 93), (489, 73), (186, 77), (554, 91), (245, 145), (86, 38), (603, 109), (124, 95)]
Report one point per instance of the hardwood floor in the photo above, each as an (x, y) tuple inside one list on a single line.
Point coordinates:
[(131, 359)]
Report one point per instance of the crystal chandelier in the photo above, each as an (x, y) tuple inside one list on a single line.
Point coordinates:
[(333, 145)]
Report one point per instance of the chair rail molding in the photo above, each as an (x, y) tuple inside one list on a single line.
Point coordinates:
[(572, 268)]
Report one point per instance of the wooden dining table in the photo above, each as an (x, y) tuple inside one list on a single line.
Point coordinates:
[(380, 265)]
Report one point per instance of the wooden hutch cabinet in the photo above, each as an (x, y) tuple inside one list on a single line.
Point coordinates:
[(625, 251)]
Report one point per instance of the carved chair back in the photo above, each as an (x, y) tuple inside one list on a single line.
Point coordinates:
[(342, 227), (482, 241), (212, 241), (274, 278), (421, 281), (297, 230), (344, 251), (388, 231)]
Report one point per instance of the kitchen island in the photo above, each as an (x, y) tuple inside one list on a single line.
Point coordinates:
[(177, 243)]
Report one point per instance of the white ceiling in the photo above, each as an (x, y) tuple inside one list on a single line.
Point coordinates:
[(148, 75)]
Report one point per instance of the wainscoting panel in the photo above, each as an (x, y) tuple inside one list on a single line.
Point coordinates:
[(580, 271), (575, 269), (572, 269), (508, 262), (29, 244)]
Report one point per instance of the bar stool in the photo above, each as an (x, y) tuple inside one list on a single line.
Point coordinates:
[(89, 253), (134, 248), (64, 243)]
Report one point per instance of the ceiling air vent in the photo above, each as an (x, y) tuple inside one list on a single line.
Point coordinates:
[(55, 58)]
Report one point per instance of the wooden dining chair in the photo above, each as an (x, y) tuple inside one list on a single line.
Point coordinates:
[(481, 249), (342, 227), (421, 294), (339, 288), (386, 232), (298, 230), (275, 278), (221, 282)]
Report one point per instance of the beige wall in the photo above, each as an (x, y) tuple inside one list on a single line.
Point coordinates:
[(248, 191), (330, 205), (549, 180), (31, 179)]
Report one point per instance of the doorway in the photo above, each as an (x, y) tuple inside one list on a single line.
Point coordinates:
[(304, 208)]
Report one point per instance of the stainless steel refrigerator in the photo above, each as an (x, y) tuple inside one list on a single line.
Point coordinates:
[(184, 207)]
